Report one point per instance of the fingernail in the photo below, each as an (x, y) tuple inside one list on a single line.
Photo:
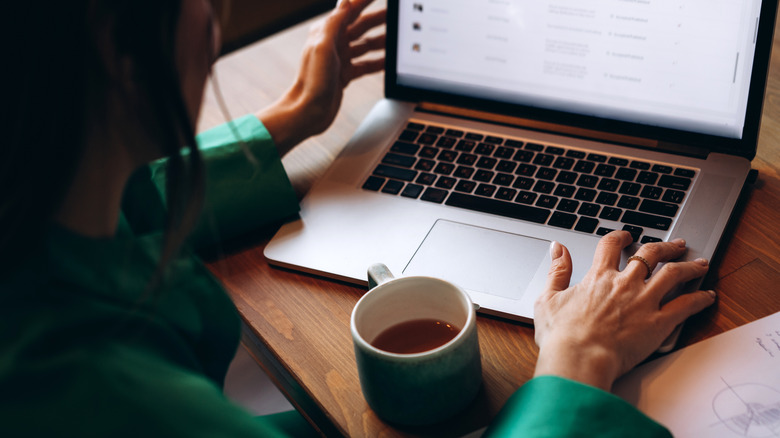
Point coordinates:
[(703, 262), (711, 293), (679, 242), (555, 250)]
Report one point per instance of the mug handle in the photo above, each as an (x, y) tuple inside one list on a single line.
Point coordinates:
[(378, 273)]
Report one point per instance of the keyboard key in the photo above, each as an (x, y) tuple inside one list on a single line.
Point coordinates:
[(373, 183), (513, 143), (635, 231), (504, 152), (435, 130), (543, 159), (674, 196), (647, 220), (526, 170), (523, 183), (446, 142), (575, 154), (646, 177), (629, 188), (589, 181), (398, 160), (534, 147), (485, 190), (651, 192), (395, 172), (584, 194), (465, 145), (546, 173), (503, 179), (412, 191), (463, 172), (659, 208), (563, 163), (598, 158), (465, 186), (605, 170), (565, 190), (625, 174), (547, 201), (474, 136), (447, 155), (526, 197), (428, 152), (454, 133), (427, 139), (620, 162), (434, 195), (426, 178), (674, 182), (523, 156), (506, 166), (485, 149), (545, 187), (405, 148), (393, 187), (606, 198), (444, 168), (602, 231), (609, 185), (425, 165), (661, 168), (686, 173), (641, 165), (554, 150), (586, 224), (563, 220), (484, 175), (588, 209), (467, 159), (650, 239), (415, 126), (445, 182), (583, 166), (493, 139), (501, 208), (611, 214), (486, 163), (566, 177), (628, 202), (568, 205), (506, 193)]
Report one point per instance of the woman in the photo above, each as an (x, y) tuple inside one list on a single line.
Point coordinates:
[(110, 327)]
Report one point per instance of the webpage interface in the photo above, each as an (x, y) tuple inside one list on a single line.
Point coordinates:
[(681, 64)]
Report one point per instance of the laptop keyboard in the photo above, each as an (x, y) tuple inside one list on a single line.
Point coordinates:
[(545, 184)]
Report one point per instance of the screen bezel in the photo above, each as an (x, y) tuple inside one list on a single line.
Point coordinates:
[(745, 147)]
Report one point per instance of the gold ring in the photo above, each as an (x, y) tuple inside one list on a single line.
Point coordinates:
[(643, 260)]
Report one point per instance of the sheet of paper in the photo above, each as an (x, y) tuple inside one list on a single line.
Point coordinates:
[(725, 386)]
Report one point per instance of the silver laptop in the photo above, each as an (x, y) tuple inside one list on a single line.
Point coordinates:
[(509, 124)]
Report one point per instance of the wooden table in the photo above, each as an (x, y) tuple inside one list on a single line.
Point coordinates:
[(297, 326)]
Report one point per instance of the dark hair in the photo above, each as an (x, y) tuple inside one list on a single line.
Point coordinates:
[(58, 83)]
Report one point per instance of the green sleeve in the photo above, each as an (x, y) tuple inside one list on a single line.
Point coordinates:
[(550, 406), (242, 194)]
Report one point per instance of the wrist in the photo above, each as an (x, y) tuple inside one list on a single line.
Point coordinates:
[(286, 121), (589, 364)]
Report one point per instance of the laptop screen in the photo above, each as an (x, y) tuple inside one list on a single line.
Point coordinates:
[(667, 67)]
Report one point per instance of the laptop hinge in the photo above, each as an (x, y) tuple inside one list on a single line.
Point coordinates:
[(572, 131)]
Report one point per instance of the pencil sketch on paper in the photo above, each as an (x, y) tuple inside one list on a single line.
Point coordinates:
[(749, 409)]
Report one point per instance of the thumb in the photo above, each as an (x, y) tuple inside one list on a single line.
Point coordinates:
[(559, 276)]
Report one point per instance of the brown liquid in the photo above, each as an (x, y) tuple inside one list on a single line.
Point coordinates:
[(415, 336)]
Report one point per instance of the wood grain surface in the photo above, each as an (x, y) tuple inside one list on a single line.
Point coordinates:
[(297, 325)]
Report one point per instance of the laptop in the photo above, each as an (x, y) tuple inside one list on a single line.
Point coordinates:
[(507, 125)]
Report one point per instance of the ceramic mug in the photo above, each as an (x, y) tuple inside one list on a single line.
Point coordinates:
[(424, 387)]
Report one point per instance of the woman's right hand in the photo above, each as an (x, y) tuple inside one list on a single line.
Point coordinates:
[(597, 330)]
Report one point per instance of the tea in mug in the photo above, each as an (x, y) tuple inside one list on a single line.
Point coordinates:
[(415, 336)]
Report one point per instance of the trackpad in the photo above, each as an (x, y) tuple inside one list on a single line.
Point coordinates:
[(479, 259)]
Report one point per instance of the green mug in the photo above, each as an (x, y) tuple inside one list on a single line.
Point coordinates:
[(423, 387)]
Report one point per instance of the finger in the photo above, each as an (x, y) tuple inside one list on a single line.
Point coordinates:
[(654, 253), (559, 276), (679, 309), (355, 8), (366, 45), (367, 22), (607, 254), (367, 66), (672, 274)]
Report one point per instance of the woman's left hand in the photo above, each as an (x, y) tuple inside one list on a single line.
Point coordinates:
[(332, 58)]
